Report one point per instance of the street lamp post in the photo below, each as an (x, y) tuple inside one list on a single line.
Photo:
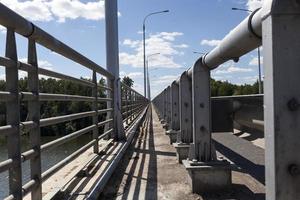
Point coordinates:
[(144, 43), (148, 78), (197, 52), (258, 54)]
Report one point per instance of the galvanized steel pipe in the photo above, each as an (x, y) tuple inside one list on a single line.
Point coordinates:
[(241, 40)]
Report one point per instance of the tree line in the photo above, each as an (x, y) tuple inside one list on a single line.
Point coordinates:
[(59, 108)]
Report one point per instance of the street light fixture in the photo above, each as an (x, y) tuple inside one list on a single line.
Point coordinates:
[(148, 79), (242, 9), (258, 56), (144, 43)]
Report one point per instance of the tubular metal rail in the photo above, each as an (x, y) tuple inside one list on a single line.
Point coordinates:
[(187, 100), (132, 103)]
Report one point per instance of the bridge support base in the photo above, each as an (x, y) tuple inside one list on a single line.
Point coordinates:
[(209, 176), (182, 151), (173, 135)]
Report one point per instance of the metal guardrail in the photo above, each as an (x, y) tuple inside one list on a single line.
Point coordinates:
[(132, 104), (275, 26), (132, 101)]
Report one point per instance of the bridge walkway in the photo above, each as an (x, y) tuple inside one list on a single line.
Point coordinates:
[(150, 170)]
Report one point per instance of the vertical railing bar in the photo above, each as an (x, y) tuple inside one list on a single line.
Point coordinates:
[(95, 108), (13, 118), (127, 108), (34, 115), (131, 103)]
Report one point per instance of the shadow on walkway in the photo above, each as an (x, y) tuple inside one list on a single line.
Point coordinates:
[(138, 168)]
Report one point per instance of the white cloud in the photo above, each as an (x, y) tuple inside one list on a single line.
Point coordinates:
[(131, 74), (211, 43), (164, 80), (60, 10), (131, 43), (163, 43), (254, 4), (233, 69), (73, 9), (35, 10), (183, 46), (170, 36), (254, 61)]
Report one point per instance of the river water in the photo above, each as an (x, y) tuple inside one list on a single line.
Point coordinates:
[(49, 158)]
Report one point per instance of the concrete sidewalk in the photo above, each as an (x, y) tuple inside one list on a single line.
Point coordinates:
[(150, 170)]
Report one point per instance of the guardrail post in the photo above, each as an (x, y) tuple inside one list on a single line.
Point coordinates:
[(164, 107), (13, 118), (206, 174), (127, 106), (168, 105), (281, 47), (112, 59), (175, 106), (167, 125), (34, 115), (96, 116), (201, 150), (174, 112), (131, 105), (185, 135)]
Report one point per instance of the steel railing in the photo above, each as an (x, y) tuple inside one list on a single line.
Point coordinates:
[(133, 104), (275, 26), (132, 101)]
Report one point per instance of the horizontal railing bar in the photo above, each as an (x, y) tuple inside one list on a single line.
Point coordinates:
[(105, 87), (26, 188), (27, 67), (104, 99), (242, 39), (29, 154), (46, 72), (29, 96), (104, 122), (28, 125), (105, 110), (10, 197), (6, 62), (68, 159), (5, 130), (105, 134), (6, 96), (9, 18), (67, 138), (64, 118), (238, 96), (258, 122), (64, 97), (5, 165)]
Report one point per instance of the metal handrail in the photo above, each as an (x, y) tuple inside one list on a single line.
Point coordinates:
[(13, 21), (17, 24)]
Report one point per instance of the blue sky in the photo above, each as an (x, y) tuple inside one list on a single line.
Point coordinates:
[(191, 25)]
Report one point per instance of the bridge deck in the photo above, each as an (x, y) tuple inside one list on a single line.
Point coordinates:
[(150, 170)]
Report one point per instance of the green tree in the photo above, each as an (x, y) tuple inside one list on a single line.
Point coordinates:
[(127, 81)]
